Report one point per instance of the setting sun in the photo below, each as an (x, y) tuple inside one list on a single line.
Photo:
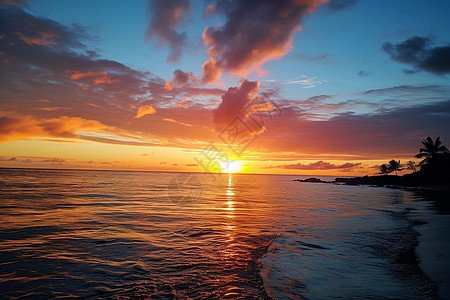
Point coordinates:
[(230, 166)]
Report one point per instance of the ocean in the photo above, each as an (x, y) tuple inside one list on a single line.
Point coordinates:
[(140, 235)]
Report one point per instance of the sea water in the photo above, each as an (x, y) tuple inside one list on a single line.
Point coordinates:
[(139, 235)]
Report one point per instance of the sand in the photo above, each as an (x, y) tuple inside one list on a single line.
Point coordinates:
[(433, 250)]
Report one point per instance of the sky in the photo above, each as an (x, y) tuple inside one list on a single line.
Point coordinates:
[(307, 87)]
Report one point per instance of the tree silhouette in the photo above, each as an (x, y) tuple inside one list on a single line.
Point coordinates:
[(411, 165), (431, 149), (394, 166), (384, 169)]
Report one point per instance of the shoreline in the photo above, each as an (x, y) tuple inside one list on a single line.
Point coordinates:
[(404, 258), (420, 253), (433, 245)]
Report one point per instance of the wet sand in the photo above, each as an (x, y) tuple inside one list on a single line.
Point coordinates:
[(433, 249)]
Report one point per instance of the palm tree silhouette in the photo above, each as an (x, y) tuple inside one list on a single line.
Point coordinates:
[(411, 165), (431, 149), (394, 166), (384, 169)]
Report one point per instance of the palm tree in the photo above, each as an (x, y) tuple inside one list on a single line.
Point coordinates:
[(431, 149), (394, 166), (384, 169), (411, 165)]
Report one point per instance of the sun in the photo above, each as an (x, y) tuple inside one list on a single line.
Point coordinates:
[(230, 166)]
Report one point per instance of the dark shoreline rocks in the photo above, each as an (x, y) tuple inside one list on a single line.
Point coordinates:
[(409, 180), (312, 179)]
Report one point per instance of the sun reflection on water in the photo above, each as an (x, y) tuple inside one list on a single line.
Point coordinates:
[(230, 226), (230, 197)]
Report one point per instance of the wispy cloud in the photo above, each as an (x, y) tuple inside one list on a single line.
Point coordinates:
[(306, 82)]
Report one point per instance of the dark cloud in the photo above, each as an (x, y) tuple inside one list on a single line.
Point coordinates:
[(363, 73), (319, 165), (420, 53), (165, 17), (255, 31)]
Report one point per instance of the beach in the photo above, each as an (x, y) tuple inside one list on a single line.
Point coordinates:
[(434, 243)]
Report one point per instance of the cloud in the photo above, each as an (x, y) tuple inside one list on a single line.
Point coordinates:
[(319, 165), (17, 3), (174, 121), (164, 18), (363, 73), (97, 77), (420, 53), (55, 160), (254, 32), (306, 82), (187, 84), (145, 110), (15, 128), (382, 134), (235, 101), (38, 81), (211, 72), (180, 79), (34, 31), (320, 57)]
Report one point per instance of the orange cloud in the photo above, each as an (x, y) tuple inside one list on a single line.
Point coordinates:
[(145, 110), (211, 72), (15, 128), (97, 77)]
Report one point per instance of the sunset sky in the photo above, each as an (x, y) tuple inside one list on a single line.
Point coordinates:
[(286, 87)]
